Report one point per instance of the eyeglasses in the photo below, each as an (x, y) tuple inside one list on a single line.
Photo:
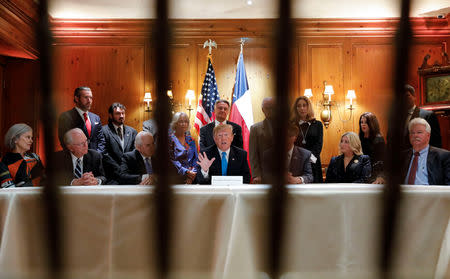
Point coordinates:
[(82, 143)]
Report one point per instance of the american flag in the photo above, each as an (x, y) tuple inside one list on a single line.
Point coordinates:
[(205, 107)]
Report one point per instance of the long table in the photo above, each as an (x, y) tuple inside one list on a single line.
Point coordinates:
[(332, 231)]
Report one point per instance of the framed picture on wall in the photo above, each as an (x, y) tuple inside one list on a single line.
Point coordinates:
[(437, 89), (434, 82)]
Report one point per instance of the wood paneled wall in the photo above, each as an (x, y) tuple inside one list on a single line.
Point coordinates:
[(115, 59)]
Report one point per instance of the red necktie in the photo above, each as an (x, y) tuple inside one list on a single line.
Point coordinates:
[(413, 171), (88, 124)]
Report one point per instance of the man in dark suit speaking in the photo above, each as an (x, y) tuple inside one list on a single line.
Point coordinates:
[(81, 117), (423, 163), (222, 158), (221, 109), (119, 139), (78, 165)]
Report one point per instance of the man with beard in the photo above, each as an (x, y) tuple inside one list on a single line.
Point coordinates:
[(81, 117), (119, 139)]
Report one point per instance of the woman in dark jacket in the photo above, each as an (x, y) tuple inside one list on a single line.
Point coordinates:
[(311, 133), (351, 166), (372, 142), (25, 168)]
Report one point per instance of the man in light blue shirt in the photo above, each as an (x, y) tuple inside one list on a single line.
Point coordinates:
[(425, 164)]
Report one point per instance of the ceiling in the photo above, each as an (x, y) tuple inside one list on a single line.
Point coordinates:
[(214, 9)]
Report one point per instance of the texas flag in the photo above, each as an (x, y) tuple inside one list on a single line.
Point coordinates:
[(241, 108)]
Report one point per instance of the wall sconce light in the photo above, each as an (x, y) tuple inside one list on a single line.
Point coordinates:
[(327, 103), (190, 95), (325, 115), (308, 93), (148, 100), (170, 94), (351, 95)]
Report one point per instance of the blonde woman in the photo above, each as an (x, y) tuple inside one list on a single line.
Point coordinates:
[(351, 166)]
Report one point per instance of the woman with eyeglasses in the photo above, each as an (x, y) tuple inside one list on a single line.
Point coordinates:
[(25, 168), (182, 148), (311, 133)]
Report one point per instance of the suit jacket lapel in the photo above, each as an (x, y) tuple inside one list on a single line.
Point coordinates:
[(216, 166), (87, 167), (354, 163), (68, 164), (140, 162), (232, 159), (79, 121), (295, 162), (430, 159), (210, 133), (415, 113), (406, 162), (267, 131), (126, 138)]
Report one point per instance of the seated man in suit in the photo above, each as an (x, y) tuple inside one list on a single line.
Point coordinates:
[(221, 109), (78, 165), (298, 161), (119, 139), (137, 165), (81, 117), (423, 163), (222, 158)]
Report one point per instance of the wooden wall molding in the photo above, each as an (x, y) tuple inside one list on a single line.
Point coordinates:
[(18, 21), (254, 28)]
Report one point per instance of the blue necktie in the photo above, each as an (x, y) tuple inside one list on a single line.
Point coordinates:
[(224, 163), (148, 166)]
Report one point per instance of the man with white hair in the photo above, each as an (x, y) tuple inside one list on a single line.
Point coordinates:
[(137, 166), (424, 164), (77, 165)]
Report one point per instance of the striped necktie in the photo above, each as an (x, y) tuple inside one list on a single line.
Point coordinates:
[(77, 171)]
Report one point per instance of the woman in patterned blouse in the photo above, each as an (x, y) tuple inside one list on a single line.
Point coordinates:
[(25, 168), (182, 148)]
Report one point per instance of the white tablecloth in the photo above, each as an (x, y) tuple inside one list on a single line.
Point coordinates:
[(332, 231)]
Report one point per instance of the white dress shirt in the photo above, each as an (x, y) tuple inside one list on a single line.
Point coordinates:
[(82, 114)]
